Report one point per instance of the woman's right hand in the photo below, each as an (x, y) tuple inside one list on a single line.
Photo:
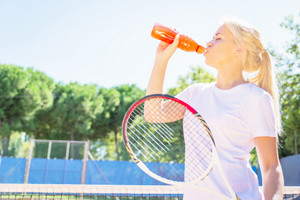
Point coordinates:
[(165, 51)]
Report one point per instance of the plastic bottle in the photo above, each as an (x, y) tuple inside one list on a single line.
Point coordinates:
[(167, 35)]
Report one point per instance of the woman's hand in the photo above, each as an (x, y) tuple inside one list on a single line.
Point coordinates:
[(165, 51)]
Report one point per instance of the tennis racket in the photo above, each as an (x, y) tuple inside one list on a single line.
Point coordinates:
[(171, 142)]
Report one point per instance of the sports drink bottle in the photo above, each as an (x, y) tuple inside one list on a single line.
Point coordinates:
[(168, 35)]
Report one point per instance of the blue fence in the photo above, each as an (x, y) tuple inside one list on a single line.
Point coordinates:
[(55, 171), (12, 170), (291, 170), (60, 171)]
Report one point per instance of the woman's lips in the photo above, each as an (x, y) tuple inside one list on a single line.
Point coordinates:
[(206, 51)]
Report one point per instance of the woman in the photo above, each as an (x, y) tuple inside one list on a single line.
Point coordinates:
[(242, 113)]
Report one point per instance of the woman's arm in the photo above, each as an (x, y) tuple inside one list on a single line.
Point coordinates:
[(155, 86), (163, 54), (272, 176)]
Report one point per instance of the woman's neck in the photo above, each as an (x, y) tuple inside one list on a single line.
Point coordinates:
[(228, 79)]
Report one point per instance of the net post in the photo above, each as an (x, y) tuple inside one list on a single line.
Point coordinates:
[(67, 150), (84, 161), (28, 162), (49, 149)]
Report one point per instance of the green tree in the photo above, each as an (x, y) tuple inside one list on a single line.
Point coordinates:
[(42, 88), (17, 145), (74, 108), (102, 121), (289, 79), (197, 75), (17, 103), (117, 101)]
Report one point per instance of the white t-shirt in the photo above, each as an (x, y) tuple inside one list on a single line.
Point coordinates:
[(235, 116)]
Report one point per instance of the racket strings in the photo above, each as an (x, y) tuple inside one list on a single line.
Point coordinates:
[(198, 147), (168, 135), (156, 116), (178, 150), (145, 140), (149, 133)]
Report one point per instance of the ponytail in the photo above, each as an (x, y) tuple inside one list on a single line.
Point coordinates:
[(266, 79)]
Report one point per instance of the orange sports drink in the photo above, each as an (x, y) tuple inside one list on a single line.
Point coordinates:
[(167, 35)]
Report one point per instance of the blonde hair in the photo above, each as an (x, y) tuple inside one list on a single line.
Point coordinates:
[(256, 59)]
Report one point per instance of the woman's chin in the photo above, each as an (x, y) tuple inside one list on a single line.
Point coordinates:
[(208, 63), (211, 65)]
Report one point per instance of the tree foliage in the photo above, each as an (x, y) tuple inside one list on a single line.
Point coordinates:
[(22, 94), (42, 88), (289, 79), (74, 108), (117, 101)]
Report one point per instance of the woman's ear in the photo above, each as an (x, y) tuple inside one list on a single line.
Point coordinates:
[(240, 49)]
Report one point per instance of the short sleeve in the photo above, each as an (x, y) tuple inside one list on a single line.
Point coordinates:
[(262, 117), (187, 94)]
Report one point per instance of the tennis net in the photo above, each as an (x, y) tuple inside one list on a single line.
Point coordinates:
[(117, 192)]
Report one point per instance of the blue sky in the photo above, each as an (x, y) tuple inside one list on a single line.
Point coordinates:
[(108, 42)]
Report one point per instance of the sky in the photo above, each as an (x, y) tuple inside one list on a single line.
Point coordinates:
[(108, 42)]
